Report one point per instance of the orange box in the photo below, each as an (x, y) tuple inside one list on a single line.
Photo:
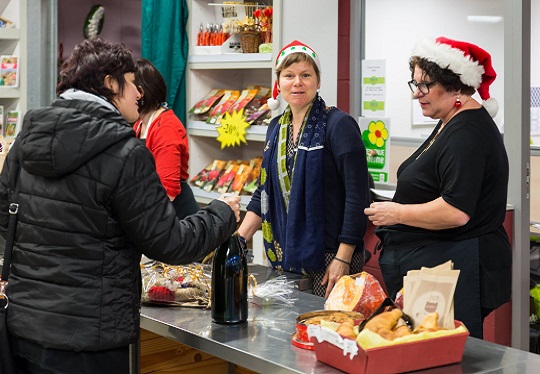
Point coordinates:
[(398, 358)]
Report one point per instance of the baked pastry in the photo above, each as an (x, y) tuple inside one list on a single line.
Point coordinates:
[(346, 329), (384, 323), (429, 323)]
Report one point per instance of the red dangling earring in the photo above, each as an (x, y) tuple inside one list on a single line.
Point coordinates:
[(458, 103)]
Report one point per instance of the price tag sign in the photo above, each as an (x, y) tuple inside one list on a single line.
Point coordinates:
[(232, 129)]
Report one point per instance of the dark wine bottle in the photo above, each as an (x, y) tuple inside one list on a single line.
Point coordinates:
[(229, 283)]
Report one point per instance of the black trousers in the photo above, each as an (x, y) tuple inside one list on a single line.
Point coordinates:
[(32, 358)]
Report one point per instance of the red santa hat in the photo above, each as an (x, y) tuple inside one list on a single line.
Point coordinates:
[(471, 63), (295, 46)]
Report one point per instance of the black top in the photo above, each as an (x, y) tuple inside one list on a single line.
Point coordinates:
[(467, 166)]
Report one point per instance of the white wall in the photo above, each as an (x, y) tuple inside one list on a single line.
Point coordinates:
[(394, 26), (314, 22)]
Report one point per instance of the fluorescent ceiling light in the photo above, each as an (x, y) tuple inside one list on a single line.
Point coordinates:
[(485, 19)]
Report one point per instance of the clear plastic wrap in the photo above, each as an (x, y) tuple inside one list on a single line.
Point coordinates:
[(275, 291), (185, 285)]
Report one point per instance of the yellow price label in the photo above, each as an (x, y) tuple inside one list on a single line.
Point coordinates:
[(232, 129)]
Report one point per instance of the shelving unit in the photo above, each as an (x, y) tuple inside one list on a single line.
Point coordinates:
[(224, 70), (237, 70), (13, 41)]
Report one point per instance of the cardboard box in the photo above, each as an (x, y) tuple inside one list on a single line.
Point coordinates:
[(347, 356)]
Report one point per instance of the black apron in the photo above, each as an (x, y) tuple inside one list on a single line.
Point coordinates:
[(464, 254)]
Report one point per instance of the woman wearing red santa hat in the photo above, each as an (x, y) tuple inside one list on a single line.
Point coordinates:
[(314, 179), (450, 200)]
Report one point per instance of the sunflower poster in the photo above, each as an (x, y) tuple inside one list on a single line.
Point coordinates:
[(376, 139)]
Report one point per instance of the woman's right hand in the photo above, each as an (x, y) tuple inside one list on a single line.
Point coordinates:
[(233, 202), (384, 213)]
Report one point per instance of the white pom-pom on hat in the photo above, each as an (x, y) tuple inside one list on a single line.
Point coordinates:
[(471, 63), (492, 106), (273, 102)]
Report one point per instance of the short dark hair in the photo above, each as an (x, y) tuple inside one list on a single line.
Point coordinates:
[(90, 62), (153, 85), (444, 76)]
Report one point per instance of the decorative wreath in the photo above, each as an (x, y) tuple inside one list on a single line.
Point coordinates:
[(94, 22)]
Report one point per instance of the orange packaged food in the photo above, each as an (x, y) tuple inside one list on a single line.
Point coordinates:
[(358, 292), (240, 179)]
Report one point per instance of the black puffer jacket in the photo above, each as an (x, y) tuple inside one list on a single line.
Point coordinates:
[(90, 204)]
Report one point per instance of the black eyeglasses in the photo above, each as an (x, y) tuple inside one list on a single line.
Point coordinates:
[(422, 86)]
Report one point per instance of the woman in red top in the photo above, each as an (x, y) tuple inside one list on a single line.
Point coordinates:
[(165, 137)]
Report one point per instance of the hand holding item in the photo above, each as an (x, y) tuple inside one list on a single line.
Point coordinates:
[(384, 213), (333, 273), (234, 202)]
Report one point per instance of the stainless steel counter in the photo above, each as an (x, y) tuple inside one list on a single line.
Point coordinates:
[(263, 344)]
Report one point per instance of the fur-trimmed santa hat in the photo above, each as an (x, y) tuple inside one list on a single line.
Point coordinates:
[(471, 63), (295, 46)]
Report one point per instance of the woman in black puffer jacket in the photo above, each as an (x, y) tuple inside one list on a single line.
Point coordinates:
[(90, 204)]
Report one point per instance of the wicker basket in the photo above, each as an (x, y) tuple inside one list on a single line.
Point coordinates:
[(250, 41)]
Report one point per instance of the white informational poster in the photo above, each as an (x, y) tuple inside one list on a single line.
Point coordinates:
[(376, 138), (373, 88)]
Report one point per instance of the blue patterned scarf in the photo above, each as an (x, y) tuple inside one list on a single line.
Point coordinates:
[(294, 238)]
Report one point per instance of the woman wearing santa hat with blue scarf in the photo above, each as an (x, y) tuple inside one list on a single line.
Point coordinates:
[(314, 179), (450, 200)]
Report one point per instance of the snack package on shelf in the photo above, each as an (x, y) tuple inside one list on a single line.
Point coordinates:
[(210, 172), (227, 177), (186, 285), (217, 112), (243, 100), (212, 182), (261, 116), (360, 292), (201, 109), (239, 179), (252, 181), (263, 94)]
